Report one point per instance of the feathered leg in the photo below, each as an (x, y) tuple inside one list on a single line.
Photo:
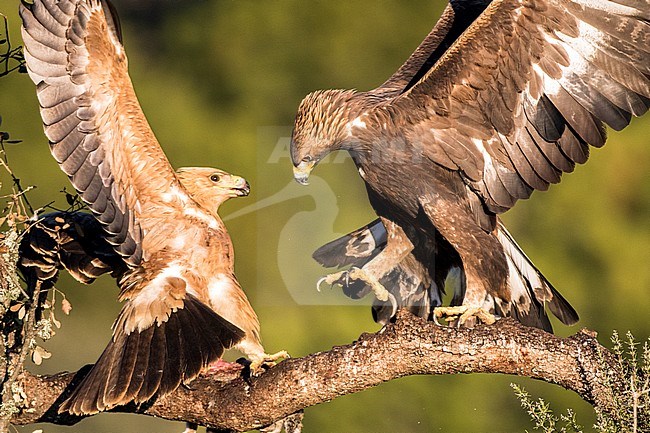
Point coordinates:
[(398, 246), (485, 274)]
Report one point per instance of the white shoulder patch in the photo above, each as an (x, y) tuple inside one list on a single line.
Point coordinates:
[(174, 193), (193, 211), (355, 123), (362, 173)]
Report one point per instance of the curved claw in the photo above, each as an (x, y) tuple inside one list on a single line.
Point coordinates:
[(462, 313), (360, 274), (393, 304), (319, 282), (332, 279)]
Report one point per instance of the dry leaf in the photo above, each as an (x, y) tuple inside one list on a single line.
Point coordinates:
[(37, 358), (40, 354), (66, 306)]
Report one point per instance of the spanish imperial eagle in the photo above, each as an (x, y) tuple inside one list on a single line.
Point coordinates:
[(499, 100), (183, 305)]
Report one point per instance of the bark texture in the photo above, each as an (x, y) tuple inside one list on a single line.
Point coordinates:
[(410, 346)]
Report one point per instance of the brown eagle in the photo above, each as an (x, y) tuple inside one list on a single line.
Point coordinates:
[(183, 305), (499, 100)]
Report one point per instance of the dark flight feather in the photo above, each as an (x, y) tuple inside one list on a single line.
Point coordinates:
[(144, 353), (69, 126), (73, 241), (360, 244), (456, 17)]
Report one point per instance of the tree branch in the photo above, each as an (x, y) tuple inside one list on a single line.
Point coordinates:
[(408, 347)]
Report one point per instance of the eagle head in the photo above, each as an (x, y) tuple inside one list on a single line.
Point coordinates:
[(319, 128), (210, 187)]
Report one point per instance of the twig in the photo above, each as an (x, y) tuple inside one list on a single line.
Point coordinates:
[(10, 54)]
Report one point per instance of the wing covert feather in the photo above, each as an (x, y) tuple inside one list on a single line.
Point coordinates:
[(97, 130), (522, 93)]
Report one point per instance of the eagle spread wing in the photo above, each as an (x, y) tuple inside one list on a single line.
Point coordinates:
[(500, 99), (184, 306), (518, 98)]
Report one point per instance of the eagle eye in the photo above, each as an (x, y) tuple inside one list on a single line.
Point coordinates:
[(215, 178), (308, 158)]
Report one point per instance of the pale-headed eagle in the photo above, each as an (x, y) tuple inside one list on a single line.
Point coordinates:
[(183, 305), (499, 100), (76, 241)]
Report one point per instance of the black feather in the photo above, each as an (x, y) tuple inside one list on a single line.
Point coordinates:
[(348, 249), (546, 119), (152, 362), (465, 12), (156, 359)]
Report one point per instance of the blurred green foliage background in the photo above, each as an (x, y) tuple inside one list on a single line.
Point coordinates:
[(220, 82)]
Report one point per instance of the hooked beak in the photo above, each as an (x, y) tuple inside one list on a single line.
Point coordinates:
[(302, 170), (241, 187), (244, 190)]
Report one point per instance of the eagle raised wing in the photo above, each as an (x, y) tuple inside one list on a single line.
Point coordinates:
[(183, 306), (456, 17), (519, 97), (97, 130)]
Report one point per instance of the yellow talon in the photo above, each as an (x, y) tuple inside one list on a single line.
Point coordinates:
[(463, 313), (259, 364)]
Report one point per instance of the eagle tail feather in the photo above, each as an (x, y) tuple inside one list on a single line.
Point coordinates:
[(152, 362), (530, 290)]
